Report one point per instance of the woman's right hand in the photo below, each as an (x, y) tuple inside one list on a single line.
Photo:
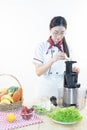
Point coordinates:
[(59, 56)]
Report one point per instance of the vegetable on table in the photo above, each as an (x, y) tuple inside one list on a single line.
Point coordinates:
[(68, 114), (39, 109)]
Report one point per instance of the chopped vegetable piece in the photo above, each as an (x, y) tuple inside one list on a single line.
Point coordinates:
[(39, 109)]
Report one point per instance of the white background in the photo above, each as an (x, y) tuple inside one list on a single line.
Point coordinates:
[(25, 23)]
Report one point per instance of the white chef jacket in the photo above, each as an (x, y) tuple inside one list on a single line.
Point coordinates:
[(49, 83)]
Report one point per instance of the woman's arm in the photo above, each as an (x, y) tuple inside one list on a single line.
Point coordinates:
[(41, 69)]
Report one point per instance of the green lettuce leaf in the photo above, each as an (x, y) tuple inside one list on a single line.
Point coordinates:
[(68, 114)]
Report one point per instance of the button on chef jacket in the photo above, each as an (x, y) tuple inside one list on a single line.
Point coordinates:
[(51, 81)]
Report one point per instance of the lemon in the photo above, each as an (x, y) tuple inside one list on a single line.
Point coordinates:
[(10, 117)]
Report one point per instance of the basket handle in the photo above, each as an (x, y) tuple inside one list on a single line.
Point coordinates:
[(12, 77)]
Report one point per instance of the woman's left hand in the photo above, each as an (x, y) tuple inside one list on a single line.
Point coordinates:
[(75, 69)]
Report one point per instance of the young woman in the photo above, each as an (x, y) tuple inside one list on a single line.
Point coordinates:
[(49, 59)]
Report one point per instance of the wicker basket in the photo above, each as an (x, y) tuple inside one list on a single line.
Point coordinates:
[(15, 105)]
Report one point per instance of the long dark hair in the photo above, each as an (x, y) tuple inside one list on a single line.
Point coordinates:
[(60, 21)]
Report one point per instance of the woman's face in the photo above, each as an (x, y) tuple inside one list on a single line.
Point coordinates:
[(57, 33)]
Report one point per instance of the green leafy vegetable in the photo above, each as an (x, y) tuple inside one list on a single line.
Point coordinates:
[(39, 109), (68, 114)]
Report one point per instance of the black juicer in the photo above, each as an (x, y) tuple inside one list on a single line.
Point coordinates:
[(70, 93)]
